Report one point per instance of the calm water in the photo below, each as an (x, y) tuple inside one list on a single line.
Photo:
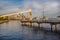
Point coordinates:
[(14, 31)]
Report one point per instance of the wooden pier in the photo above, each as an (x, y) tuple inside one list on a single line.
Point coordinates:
[(51, 22)]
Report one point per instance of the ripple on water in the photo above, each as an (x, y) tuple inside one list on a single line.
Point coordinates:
[(14, 31)]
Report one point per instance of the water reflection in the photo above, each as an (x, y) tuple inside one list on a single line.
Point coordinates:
[(14, 31)]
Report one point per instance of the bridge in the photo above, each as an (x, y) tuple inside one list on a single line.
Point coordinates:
[(19, 13)]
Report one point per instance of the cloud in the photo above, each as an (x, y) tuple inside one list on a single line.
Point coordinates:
[(50, 7), (7, 7)]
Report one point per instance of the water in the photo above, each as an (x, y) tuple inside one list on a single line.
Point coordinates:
[(14, 31)]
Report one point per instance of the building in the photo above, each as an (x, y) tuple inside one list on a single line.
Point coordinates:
[(58, 17)]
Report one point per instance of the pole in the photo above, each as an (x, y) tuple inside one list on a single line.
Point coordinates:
[(43, 10), (51, 27)]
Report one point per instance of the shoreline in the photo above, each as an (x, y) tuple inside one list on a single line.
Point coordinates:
[(3, 21)]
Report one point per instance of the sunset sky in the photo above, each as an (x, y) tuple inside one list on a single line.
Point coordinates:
[(51, 7)]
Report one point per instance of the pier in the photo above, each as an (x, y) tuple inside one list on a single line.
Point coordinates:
[(51, 22)]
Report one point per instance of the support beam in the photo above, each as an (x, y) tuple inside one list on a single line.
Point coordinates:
[(42, 24), (30, 14), (22, 16), (56, 27), (51, 27), (31, 24), (38, 24)]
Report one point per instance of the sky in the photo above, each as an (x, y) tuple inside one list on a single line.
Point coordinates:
[(51, 7)]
